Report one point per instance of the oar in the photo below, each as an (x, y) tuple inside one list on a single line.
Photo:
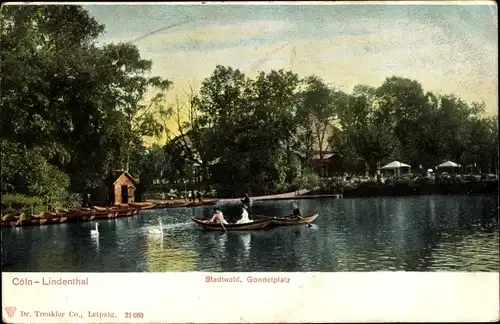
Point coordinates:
[(308, 225), (223, 227)]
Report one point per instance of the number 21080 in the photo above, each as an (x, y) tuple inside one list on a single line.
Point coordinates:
[(133, 315)]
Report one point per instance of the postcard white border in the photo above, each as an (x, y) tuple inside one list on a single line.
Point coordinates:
[(260, 3), (311, 297), (307, 297)]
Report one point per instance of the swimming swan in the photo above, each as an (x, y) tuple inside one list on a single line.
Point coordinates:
[(157, 230), (96, 230)]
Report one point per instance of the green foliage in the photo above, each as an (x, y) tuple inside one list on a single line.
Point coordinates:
[(71, 110), (307, 180), (252, 127), (18, 201), (257, 135), (319, 108), (398, 121), (28, 171)]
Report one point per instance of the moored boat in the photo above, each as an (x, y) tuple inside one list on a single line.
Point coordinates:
[(255, 225), (142, 205), (284, 221), (176, 205), (194, 204), (210, 202), (101, 209)]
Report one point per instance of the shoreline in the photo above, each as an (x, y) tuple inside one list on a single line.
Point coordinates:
[(363, 190), (93, 213)]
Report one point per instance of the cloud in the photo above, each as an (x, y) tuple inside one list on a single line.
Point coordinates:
[(373, 52), (210, 34)]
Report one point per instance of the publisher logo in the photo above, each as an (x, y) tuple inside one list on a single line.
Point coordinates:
[(10, 311)]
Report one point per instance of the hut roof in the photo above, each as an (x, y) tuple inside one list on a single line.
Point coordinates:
[(115, 174)]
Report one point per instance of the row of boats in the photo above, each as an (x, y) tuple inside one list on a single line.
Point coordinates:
[(261, 222), (90, 214)]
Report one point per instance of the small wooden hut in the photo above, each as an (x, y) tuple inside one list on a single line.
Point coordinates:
[(121, 187)]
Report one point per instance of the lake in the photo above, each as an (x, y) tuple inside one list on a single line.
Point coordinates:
[(420, 233)]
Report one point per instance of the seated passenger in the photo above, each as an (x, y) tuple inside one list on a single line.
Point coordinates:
[(244, 216)]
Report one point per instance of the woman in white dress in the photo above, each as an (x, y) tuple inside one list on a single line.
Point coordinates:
[(244, 216)]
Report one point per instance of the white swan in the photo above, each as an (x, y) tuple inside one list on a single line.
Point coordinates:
[(96, 230), (157, 230)]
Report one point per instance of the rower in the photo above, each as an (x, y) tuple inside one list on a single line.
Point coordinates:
[(296, 211), (218, 217), (244, 215)]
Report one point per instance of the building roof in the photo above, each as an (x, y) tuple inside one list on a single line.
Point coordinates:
[(115, 174), (326, 156)]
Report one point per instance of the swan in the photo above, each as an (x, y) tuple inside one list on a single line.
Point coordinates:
[(157, 230), (96, 230)]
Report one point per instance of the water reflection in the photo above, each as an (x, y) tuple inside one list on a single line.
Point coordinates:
[(245, 240), (426, 233), (164, 255), (95, 243)]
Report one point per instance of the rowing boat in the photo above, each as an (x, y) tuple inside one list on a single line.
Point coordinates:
[(284, 221), (209, 202), (255, 225), (142, 205), (194, 204)]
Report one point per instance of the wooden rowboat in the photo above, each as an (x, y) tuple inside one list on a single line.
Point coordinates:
[(142, 205), (194, 204), (210, 202), (255, 225), (284, 221), (176, 205)]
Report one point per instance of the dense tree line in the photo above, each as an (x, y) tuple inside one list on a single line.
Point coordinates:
[(72, 110), (259, 134)]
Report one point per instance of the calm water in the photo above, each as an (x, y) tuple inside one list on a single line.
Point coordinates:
[(426, 233)]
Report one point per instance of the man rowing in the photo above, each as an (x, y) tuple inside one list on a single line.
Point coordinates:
[(295, 212), (218, 217)]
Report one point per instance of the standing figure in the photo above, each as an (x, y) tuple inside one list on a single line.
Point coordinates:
[(246, 200)]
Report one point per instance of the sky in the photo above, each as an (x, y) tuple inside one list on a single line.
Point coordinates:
[(447, 48)]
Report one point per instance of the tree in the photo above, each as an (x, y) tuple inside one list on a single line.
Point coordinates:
[(364, 130), (319, 110), (246, 125), (76, 105), (152, 165)]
